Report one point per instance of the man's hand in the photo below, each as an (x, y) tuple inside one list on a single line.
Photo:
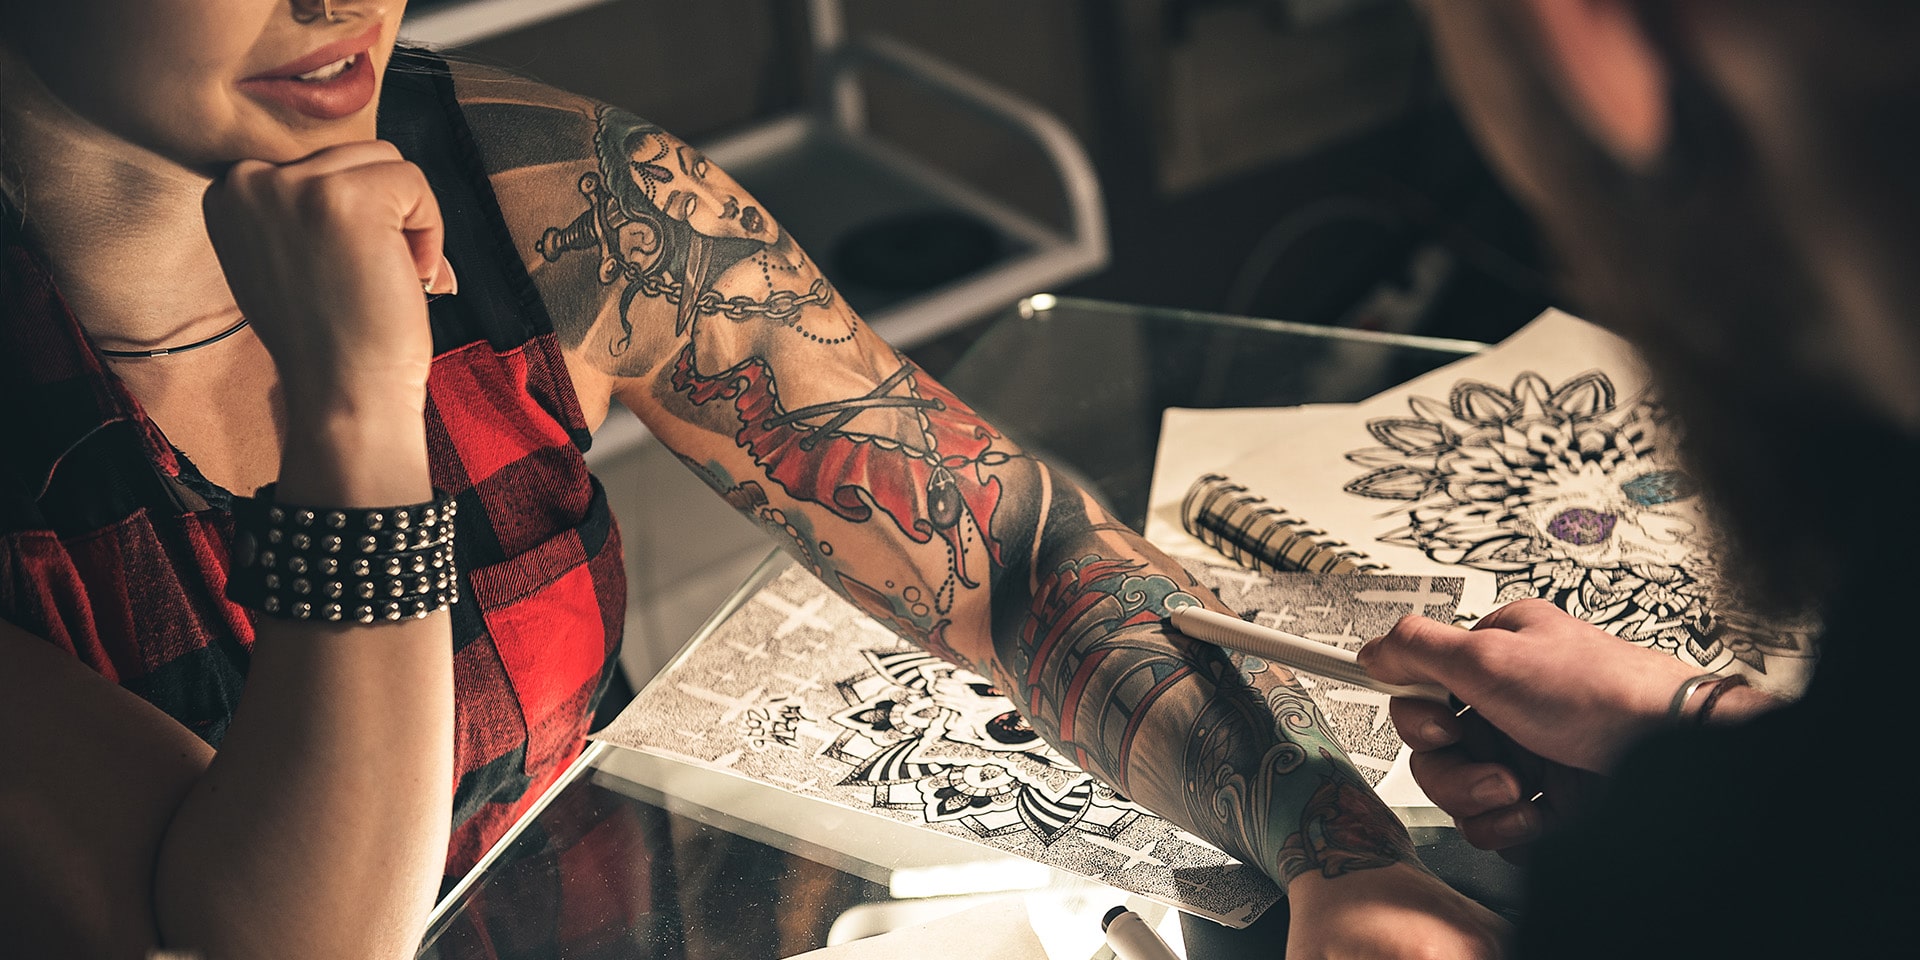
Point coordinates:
[(1394, 912), (1501, 795), (1555, 701), (1559, 686)]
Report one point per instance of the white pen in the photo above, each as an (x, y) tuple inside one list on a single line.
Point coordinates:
[(1311, 656), (1132, 939)]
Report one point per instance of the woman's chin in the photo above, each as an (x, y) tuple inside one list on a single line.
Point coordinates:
[(279, 145)]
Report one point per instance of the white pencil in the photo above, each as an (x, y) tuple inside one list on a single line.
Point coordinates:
[(1321, 659)]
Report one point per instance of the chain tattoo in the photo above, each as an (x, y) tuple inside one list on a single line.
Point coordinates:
[(631, 241)]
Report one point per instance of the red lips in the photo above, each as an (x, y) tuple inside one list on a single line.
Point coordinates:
[(332, 97)]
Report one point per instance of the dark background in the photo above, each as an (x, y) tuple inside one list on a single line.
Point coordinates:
[(1285, 158)]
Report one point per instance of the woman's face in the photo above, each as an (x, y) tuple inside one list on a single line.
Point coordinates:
[(207, 82)]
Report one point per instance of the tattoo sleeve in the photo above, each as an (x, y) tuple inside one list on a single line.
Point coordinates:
[(666, 277)]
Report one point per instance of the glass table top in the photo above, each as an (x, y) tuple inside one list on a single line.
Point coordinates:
[(1082, 383)]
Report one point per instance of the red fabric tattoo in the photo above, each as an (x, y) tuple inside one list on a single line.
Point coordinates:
[(923, 491), (1338, 834)]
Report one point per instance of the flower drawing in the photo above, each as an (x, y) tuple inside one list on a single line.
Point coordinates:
[(1562, 492)]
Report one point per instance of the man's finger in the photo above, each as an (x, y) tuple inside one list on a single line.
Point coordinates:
[(1522, 614), (1411, 651), (1505, 828), (1423, 724), (1462, 786)]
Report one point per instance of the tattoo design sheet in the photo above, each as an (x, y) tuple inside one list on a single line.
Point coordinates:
[(801, 690), (1541, 468)]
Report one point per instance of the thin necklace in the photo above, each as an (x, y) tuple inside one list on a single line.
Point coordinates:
[(167, 351)]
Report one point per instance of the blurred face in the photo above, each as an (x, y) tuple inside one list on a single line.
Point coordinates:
[(1704, 263), (206, 82)]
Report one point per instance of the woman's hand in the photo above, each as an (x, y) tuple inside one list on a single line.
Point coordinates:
[(1388, 913), (328, 256), (1565, 696)]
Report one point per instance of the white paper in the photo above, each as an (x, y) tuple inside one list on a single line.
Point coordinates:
[(801, 690), (1542, 468)]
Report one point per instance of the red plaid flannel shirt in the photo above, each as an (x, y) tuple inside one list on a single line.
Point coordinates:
[(114, 548)]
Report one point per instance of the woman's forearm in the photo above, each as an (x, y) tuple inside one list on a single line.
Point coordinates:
[(1000, 564), (320, 827), (1170, 721), (898, 495)]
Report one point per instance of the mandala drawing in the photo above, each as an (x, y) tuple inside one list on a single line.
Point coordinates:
[(1567, 493)]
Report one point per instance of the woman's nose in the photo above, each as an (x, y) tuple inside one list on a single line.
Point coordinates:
[(329, 11)]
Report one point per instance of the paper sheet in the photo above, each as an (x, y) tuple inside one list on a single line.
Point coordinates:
[(1541, 468), (995, 930), (801, 690), (1054, 924)]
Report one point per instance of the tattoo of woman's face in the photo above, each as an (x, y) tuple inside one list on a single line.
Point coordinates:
[(669, 225)]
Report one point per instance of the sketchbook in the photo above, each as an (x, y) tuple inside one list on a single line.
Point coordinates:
[(1544, 467), (800, 690), (1244, 527)]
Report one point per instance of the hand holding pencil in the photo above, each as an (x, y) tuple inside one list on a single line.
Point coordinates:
[(1556, 701)]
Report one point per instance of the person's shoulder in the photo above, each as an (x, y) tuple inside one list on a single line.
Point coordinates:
[(555, 160), (540, 144), (518, 122), (490, 94)]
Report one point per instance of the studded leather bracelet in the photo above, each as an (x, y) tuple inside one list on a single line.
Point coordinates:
[(332, 564)]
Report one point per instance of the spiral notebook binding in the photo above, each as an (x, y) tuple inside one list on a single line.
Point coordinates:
[(1243, 527)]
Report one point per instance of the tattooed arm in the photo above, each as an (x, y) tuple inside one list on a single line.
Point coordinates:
[(671, 290)]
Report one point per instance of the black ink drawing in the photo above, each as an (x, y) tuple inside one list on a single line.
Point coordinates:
[(801, 690), (906, 714), (1567, 493)]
